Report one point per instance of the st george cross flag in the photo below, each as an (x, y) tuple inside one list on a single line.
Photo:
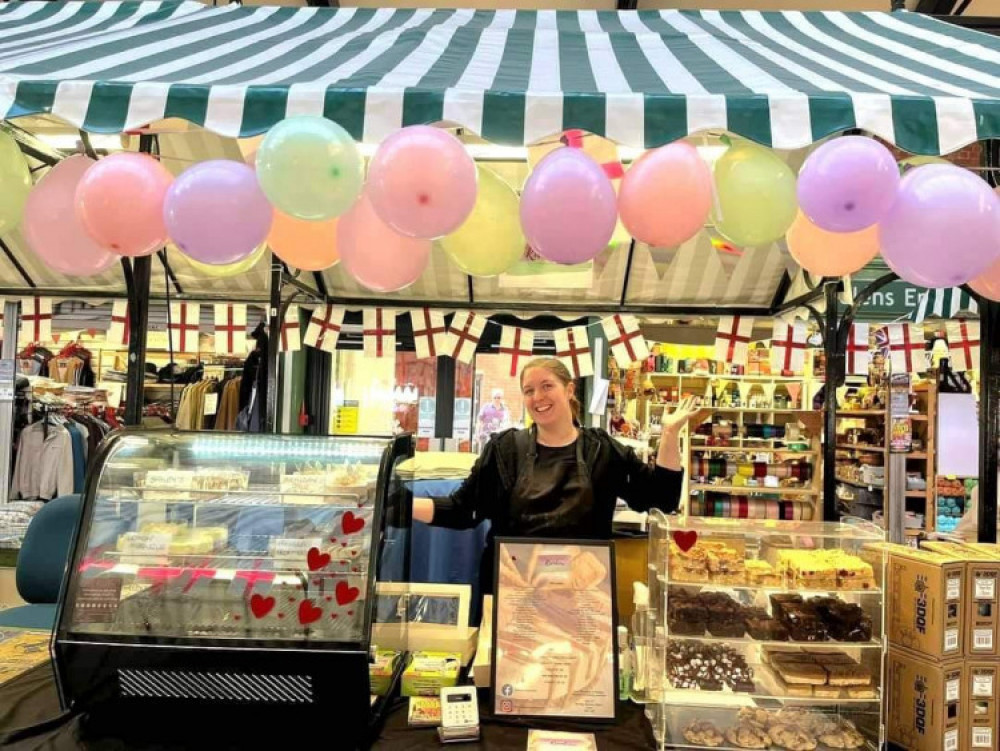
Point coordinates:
[(120, 329), (379, 332), (732, 340), (626, 341), (573, 348), (963, 344), (430, 335), (291, 332), (230, 329), (788, 347), (185, 318), (36, 320), (324, 327), (859, 356), (517, 344), (464, 335), (906, 348)]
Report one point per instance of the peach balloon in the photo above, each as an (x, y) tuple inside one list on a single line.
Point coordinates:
[(987, 284), (310, 246), (830, 253), (666, 196), (375, 255)]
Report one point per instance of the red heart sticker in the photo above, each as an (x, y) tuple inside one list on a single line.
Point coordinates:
[(345, 593), (351, 524), (686, 540), (309, 613), (261, 606), (317, 560)]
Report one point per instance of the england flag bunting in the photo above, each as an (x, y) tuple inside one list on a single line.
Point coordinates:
[(291, 331), (732, 339), (36, 320), (184, 326), (378, 333), (517, 344), (464, 335), (963, 344), (430, 335), (906, 348), (324, 328), (858, 354), (788, 347), (121, 327), (573, 348), (625, 340), (230, 329)]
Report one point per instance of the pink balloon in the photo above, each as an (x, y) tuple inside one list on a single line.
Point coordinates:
[(372, 253), (120, 203), (422, 182), (568, 207), (987, 284), (52, 228), (216, 213), (943, 229), (666, 195)]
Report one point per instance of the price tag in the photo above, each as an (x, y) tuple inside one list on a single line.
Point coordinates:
[(953, 589), (982, 737), (982, 638), (294, 547), (951, 740), (986, 587), (211, 404), (951, 640), (952, 689), (982, 685), (156, 544)]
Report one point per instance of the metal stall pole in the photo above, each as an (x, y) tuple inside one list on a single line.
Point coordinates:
[(8, 389), (835, 373), (989, 417), (275, 315)]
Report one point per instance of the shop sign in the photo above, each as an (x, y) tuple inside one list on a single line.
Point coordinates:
[(463, 419), (426, 416), (897, 301)]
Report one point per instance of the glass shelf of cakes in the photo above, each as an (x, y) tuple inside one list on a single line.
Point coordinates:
[(762, 634), (212, 543)]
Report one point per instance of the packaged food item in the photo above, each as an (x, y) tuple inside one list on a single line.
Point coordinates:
[(429, 672), (424, 711), (381, 671)]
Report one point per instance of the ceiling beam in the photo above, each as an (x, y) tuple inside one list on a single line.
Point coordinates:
[(31, 145), (17, 264)]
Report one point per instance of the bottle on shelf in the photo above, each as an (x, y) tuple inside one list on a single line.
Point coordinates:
[(642, 632), (624, 665)]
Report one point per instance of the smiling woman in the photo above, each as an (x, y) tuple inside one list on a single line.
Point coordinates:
[(558, 479)]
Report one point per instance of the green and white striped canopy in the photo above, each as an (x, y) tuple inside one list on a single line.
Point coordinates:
[(641, 78)]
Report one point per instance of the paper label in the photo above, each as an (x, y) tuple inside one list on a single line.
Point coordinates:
[(982, 638), (952, 689), (982, 685), (982, 737), (211, 404), (951, 640), (986, 587), (97, 599), (951, 740), (953, 588), (294, 547), (154, 544)]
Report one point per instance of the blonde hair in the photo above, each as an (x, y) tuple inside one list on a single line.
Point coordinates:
[(556, 367)]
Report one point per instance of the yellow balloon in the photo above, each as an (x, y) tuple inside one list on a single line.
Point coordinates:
[(232, 269), (919, 161), (490, 241), (15, 183), (756, 195)]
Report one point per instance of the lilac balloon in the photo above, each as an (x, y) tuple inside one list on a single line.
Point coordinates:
[(568, 207), (848, 184), (216, 212), (943, 229)]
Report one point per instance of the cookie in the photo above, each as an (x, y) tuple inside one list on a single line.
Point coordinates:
[(703, 733), (791, 737), (748, 735), (797, 716), (754, 715), (843, 737)]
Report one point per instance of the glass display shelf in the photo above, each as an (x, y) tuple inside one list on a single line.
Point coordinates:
[(875, 592)]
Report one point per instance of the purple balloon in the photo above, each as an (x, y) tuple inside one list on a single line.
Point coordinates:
[(216, 212), (848, 184), (943, 229), (568, 207)]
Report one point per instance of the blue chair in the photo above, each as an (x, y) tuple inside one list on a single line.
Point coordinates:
[(41, 564)]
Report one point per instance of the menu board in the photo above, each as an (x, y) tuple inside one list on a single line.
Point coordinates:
[(554, 621)]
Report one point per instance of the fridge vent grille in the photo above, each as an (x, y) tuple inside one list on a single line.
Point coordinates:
[(249, 688)]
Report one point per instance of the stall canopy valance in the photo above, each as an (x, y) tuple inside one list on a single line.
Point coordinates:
[(641, 78)]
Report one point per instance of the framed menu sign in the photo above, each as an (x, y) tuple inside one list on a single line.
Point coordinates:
[(554, 625)]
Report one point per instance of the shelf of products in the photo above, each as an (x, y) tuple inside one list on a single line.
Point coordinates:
[(763, 633)]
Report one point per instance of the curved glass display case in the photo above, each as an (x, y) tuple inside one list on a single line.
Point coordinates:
[(232, 574)]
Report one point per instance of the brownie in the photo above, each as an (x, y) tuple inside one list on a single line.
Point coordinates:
[(780, 603), (804, 624), (766, 629), (731, 629), (681, 627), (845, 621)]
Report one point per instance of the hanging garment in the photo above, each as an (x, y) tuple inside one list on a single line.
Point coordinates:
[(44, 467)]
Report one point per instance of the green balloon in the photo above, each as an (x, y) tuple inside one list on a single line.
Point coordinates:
[(756, 195), (15, 183), (310, 168)]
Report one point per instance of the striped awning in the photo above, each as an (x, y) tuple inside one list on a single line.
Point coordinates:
[(641, 78), (949, 302)]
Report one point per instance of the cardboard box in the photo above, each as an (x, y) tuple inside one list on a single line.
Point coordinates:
[(925, 600), (982, 594), (429, 672), (983, 682), (927, 702)]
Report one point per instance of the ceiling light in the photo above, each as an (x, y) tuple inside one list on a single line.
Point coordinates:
[(72, 141)]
